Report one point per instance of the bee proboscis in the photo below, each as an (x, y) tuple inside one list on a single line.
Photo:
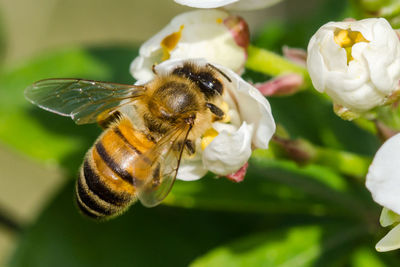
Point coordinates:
[(139, 153)]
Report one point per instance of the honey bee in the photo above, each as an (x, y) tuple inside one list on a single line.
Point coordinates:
[(138, 154)]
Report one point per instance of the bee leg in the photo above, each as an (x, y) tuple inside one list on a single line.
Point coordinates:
[(215, 110), (153, 69), (190, 146)]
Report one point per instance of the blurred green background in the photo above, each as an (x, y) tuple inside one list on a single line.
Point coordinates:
[(281, 215)]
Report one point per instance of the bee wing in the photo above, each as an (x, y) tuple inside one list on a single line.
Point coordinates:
[(165, 157), (82, 100)]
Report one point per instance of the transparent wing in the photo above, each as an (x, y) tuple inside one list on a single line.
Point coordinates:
[(82, 100), (165, 159)]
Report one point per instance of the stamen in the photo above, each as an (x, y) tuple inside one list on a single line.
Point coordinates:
[(169, 43), (346, 39), (208, 136)]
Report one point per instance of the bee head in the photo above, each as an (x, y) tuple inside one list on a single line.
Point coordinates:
[(204, 78)]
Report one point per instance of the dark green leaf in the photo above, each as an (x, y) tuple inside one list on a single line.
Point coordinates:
[(161, 236)]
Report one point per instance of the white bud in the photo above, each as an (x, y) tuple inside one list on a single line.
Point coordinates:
[(357, 63)]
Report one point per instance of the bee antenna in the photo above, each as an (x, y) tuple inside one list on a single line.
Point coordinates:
[(220, 71)]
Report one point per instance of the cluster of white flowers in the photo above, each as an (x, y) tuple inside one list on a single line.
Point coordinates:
[(356, 63), (217, 37)]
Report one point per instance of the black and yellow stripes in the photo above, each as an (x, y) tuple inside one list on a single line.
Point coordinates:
[(107, 184)]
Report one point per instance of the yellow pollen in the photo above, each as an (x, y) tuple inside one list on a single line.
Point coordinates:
[(346, 39), (207, 138), (169, 43), (219, 20)]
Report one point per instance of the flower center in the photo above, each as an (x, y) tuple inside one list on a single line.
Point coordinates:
[(169, 43), (346, 39), (207, 138)]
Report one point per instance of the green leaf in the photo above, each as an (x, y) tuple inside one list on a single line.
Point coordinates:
[(293, 247), (160, 236)]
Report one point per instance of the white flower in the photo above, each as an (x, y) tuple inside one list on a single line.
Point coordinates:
[(226, 147), (211, 34), (383, 180), (357, 63), (229, 4)]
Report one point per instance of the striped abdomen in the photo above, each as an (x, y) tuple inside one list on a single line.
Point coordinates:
[(107, 181)]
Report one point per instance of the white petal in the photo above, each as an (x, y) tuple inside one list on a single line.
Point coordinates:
[(228, 151), (191, 170), (203, 35), (205, 3), (390, 241), (388, 217), (253, 108), (384, 39), (229, 4), (383, 178), (252, 4)]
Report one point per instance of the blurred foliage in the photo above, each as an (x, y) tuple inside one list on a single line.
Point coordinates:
[(282, 214), (2, 39)]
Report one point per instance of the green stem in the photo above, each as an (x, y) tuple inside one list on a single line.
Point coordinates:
[(344, 162), (304, 152), (270, 63)]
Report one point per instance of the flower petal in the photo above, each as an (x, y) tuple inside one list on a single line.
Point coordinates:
[(390, 241), (253, 108), (383, 178), (191, 170), (388, 217), (205, 3), (229, 4), (252, 4), (228, 152)]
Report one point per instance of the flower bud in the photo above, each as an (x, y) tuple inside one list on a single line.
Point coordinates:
[(357, 63), (284, 85)]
